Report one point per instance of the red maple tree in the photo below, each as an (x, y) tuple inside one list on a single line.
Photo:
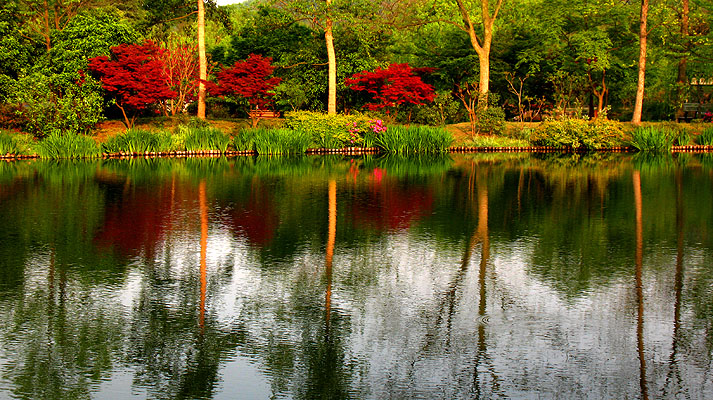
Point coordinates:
[(393, 86), (250, 79), (134, 76), (180, 68)]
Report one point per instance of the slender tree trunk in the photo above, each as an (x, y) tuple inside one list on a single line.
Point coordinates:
[(639, 104), (48, 32), (682, 63), (129, 123), (202, 62), (332, 60), (682, 79)]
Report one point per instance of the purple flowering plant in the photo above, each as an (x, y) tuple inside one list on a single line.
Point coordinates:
[(364, 133)]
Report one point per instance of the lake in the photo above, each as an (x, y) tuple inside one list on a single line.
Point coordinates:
[(462, 276)]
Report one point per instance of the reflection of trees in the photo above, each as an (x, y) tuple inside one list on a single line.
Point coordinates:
[(673, 377), (639, 285), (309, 320), (326, 378), (389, 205), (136, 216), (175, 343)]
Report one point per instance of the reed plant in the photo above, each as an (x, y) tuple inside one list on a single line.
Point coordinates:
[(203, 138), (706, 137), (281, 141), (651, 139), (414, 139), (139, 141), (70, 145), (244, 140)]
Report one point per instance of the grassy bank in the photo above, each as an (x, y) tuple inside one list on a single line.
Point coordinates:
[(304, 132)]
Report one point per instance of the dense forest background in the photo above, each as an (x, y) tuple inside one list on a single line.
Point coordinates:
[(547, 56)]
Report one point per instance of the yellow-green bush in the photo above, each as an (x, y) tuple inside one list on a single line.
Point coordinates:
[(327, 131), (577, 133)]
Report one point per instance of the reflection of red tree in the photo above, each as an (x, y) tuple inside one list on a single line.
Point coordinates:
[(256, 219), (390, 206), (136, 221)]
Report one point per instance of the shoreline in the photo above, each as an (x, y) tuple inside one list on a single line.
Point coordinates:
[(357, 151)]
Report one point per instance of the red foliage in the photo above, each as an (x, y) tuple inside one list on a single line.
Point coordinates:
[(249, 79), (257, 221), (180, 68), (388, 206), (134, 76), (135, 221), (393, 86)]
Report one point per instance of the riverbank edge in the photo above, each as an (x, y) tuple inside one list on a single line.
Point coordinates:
[(357, 151)]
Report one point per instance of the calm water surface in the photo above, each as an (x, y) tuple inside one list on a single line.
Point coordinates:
[(481, 276)]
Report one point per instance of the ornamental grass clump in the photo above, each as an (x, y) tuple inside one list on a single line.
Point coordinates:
[(706, 137), (414, 139), (244, 140), (139, 141), (280, 141), (58, 145), (652, 140), (203, 138)]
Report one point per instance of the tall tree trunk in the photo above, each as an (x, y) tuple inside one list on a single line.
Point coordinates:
[(332, 60), (682, 79), (481, 47), (484, 81), (639, 104), (202, 62)]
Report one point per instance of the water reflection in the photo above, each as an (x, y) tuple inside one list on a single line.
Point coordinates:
[(335, 278)]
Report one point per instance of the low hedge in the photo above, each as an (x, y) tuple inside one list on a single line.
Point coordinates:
[(329, 131), (578, 133)]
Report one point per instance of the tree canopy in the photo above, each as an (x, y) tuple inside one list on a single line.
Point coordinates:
[(574, 56)]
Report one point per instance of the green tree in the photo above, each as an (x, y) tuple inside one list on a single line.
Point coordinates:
[(57, 95)]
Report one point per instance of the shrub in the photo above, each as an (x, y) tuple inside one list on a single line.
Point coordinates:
[(11, 116), (577, 133), (326, 131), (15, 144), (50, 109), (443, 108), (496, 141), (490, 120), (58, 145), (651, 139)]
